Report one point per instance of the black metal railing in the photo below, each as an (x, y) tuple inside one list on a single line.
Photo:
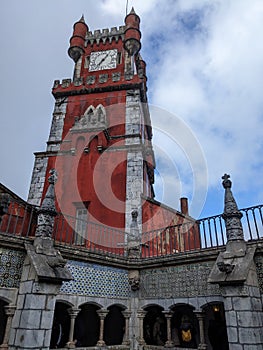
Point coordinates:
[(205, 233), (213, 231), (93, 236), (20, 220)]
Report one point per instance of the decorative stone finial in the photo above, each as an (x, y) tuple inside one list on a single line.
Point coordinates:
[(231, 215), (47, 211), (226, 182), (134, 237)]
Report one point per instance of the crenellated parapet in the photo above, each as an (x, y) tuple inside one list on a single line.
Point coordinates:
[(106, 34)]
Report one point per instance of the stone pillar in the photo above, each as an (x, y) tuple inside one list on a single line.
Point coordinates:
[(42, 275), (200, 317), (9, 311), (102, 314), (32, 322), (235, 272), (73, 313), (126, 337), (141, 314), (169, 343), (243, 312)]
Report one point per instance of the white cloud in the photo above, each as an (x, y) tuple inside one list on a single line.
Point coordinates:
[(204, 61), (210, 74)]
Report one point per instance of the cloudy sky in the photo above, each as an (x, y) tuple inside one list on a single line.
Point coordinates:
[(205, 68)]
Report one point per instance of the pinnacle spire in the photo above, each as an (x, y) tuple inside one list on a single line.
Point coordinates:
[(231, 215), (47, 211), (132, 12), (82, 19)]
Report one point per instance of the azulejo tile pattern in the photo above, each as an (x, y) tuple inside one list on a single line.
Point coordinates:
[(178, 281), (259, 268), (11, 264), (95, 280)]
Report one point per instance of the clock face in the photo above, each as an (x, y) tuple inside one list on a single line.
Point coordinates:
[(103, 60)]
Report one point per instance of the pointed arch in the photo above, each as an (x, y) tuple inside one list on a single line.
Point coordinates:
[(101, 113), (89, 115)]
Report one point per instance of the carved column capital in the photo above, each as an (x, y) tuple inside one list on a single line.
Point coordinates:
[(73, 312), (10, 310), (126, 313), (199, 315), (102, 313), (168, 314), (141, 313)]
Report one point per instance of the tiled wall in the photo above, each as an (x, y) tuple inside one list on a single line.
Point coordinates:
[(95, 280), (11, 263)]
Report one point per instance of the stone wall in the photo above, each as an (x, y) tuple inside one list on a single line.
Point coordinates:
[(134, 180), (56, 130), (38, 179)]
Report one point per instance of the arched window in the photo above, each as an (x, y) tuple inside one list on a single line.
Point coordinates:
[(154, 326), (60, 327), (114, 326), (100, 114), (87, 326), (90, 115), (3, 319), (184, 326)]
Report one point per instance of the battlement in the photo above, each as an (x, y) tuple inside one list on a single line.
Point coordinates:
[(105, 34)]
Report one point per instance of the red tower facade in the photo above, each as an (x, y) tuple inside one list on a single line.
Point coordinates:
[(100, 138)]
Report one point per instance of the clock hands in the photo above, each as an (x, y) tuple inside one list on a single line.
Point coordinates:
[(104, 58)]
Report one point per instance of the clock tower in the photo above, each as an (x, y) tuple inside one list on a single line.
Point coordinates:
[(100, 138)]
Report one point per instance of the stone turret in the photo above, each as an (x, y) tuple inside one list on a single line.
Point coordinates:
[(77, 41), (132, 36)]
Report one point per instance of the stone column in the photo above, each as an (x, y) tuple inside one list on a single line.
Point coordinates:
[(141, 314), (200, 317), (73, 313), (126, 338), (169, 343), (102, 314), (9, 311), (235, 272), (42, 276)]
